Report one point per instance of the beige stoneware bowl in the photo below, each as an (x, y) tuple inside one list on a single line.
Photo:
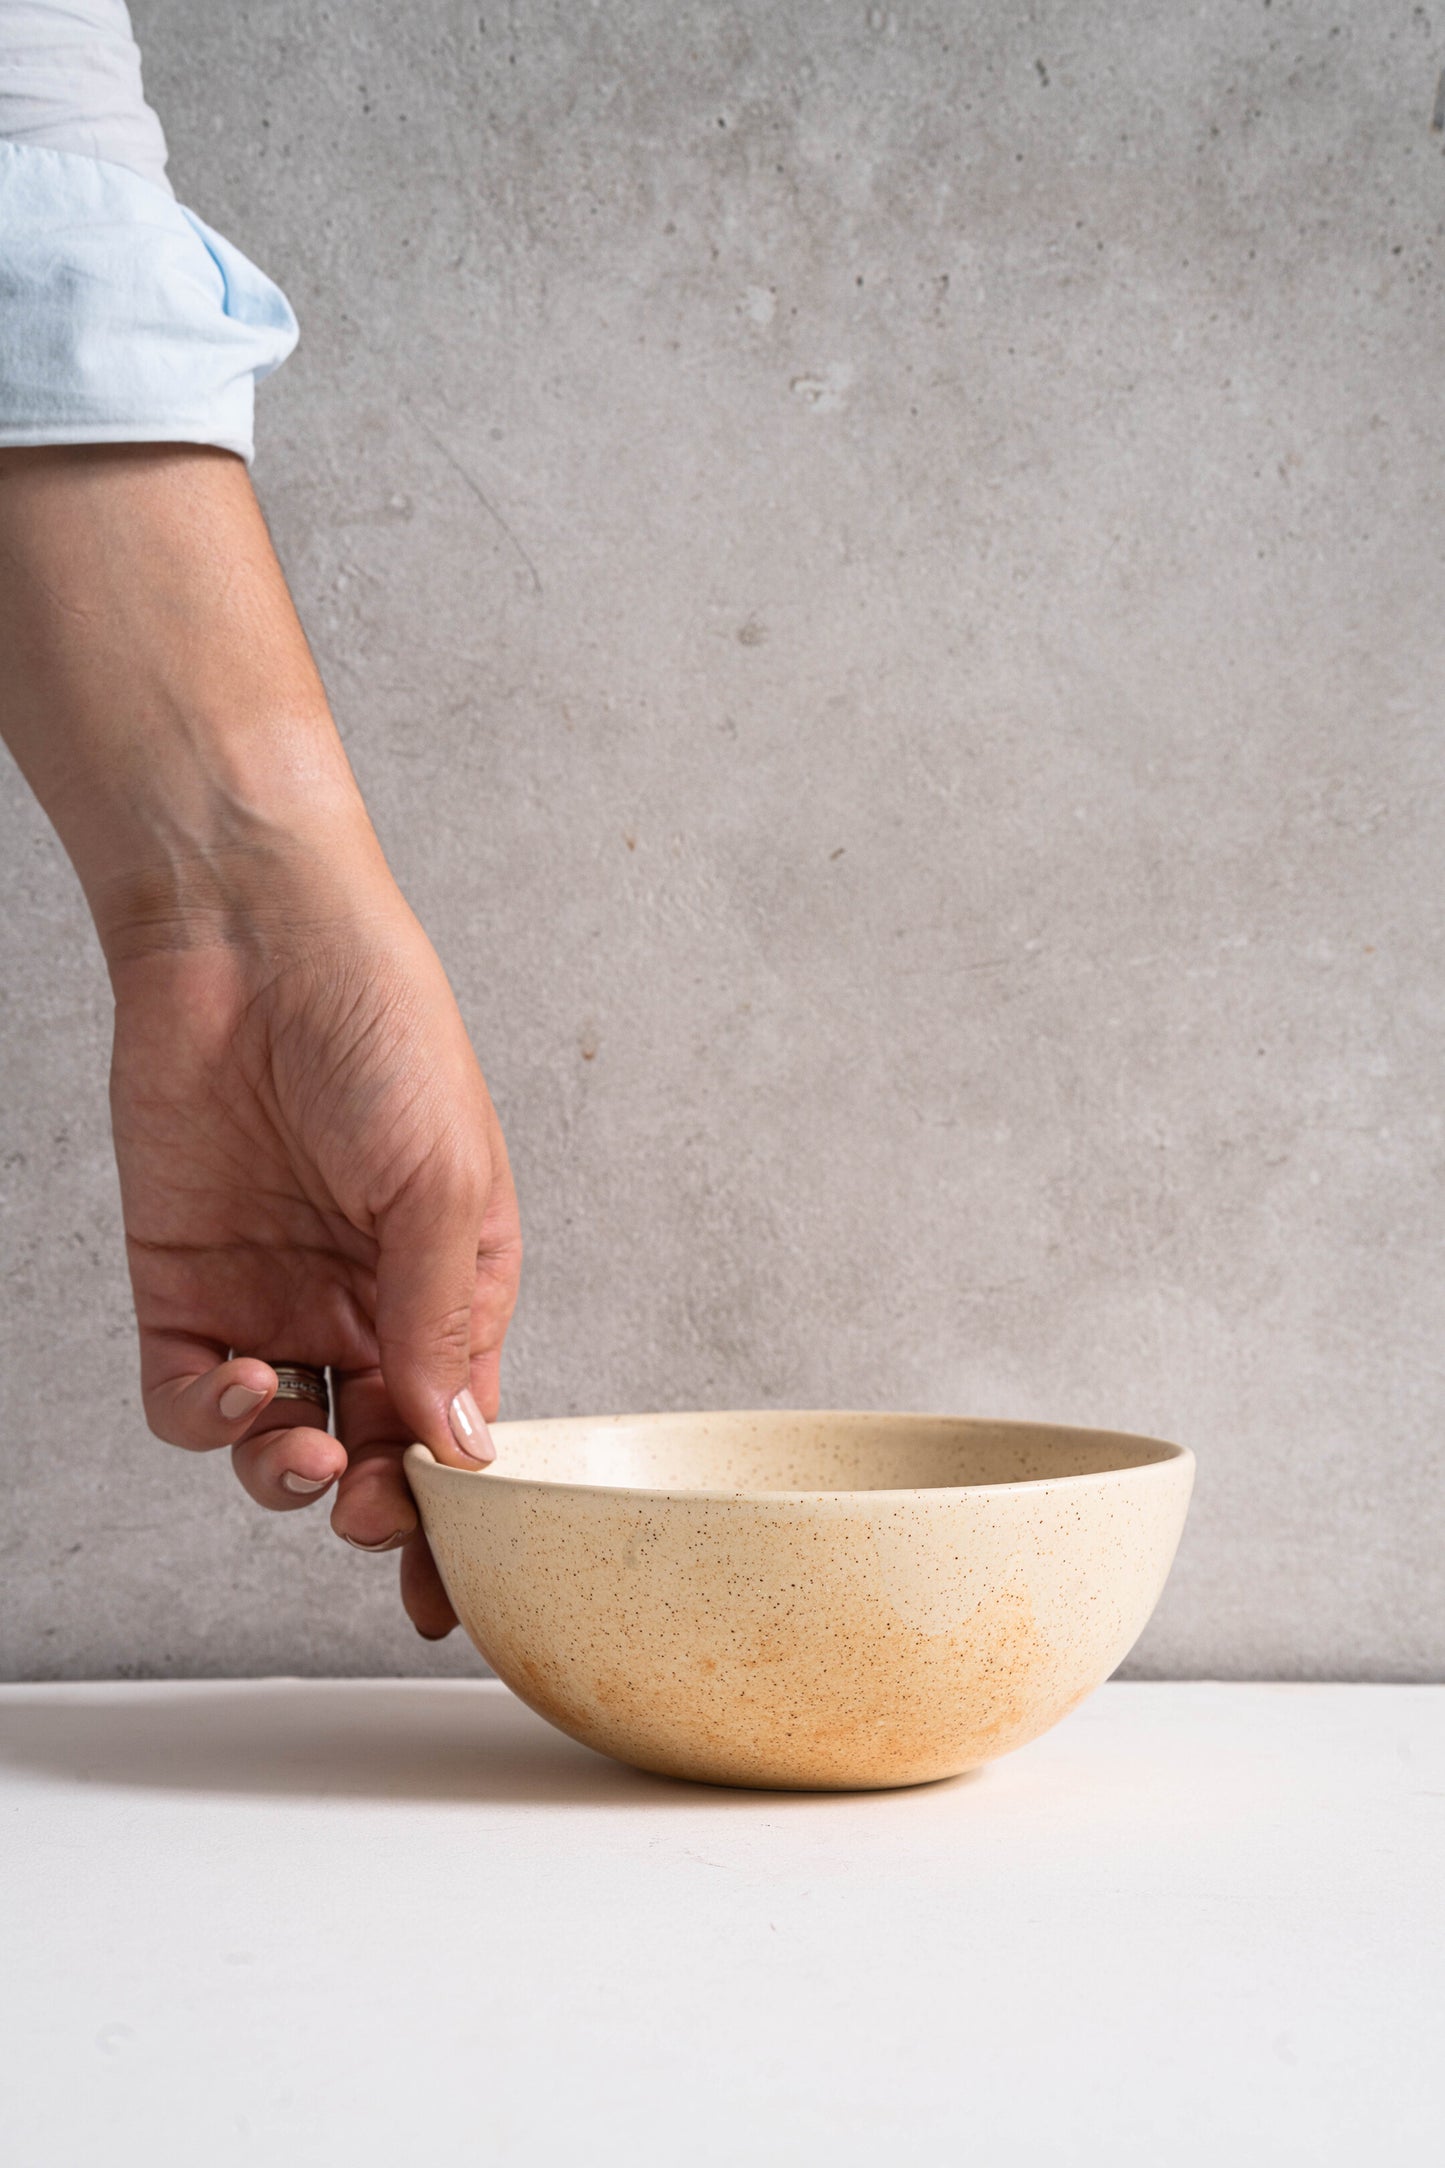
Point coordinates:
[(820, 1602)]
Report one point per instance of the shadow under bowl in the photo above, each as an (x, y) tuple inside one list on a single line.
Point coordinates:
[(805, 1601)]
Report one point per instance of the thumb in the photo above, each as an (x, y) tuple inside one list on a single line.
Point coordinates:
[(426, 1285)]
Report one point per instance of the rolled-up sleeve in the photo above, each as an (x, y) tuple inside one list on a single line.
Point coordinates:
[(123, 317)]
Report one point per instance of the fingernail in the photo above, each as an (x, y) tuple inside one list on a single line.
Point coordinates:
[(388, 1543), (238, 1400), (304, 1486), (470, 1432)]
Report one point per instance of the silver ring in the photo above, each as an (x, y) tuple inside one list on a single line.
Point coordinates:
[(302, 1381)]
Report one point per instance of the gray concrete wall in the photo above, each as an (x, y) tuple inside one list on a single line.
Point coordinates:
[(882, 570)]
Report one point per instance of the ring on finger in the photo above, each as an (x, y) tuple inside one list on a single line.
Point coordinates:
[(303, 1381)]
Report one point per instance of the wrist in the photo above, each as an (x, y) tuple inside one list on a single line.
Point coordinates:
[(262, 867)]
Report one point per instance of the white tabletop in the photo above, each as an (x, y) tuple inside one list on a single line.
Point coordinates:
[(292, 1923)]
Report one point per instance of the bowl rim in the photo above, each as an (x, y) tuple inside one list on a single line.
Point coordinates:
[(1168, 1456)]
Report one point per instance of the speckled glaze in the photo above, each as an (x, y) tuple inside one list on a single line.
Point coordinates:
[(820, 1602)]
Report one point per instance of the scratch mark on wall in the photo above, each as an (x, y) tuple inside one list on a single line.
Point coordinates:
[(485, 502)]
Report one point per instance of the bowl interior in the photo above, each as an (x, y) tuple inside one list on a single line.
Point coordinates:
[(777, 1451)]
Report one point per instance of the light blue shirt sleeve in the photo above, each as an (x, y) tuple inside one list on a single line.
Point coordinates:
[(123, 318)]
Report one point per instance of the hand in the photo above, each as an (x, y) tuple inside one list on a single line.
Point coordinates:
[(311, 1170)]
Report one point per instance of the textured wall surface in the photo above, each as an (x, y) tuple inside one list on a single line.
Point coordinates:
[(881, 568)]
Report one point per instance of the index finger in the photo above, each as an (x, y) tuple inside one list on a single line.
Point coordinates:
[(374, 1509)]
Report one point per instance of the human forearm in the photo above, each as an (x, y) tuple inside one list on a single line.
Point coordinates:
[(160, 696)]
